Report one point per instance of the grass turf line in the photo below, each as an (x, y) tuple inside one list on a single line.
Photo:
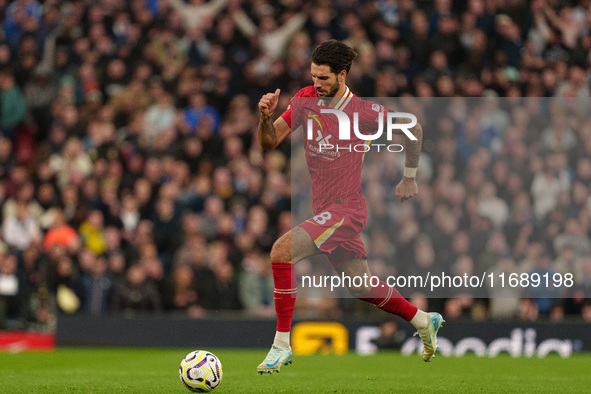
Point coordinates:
[(155, 370)]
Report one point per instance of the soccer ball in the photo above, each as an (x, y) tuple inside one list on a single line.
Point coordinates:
[(201, 371)]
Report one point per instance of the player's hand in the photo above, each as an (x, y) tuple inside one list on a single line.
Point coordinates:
[(407, 188), (268, 103)]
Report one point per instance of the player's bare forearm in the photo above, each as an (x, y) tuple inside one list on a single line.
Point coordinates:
[(267, 134), (412, 148), (268, 138), (408, 188)]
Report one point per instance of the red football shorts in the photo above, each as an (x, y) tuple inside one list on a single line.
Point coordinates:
[(337, 231)]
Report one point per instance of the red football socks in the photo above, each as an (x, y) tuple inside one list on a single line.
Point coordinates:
[(389, 299), (286, 289)]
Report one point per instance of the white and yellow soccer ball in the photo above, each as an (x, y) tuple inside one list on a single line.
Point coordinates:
[(201, 371)]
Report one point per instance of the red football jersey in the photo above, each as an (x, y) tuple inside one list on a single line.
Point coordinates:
[(335, 165)]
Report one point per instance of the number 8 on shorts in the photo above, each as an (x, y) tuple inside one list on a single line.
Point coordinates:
[(322, 217)]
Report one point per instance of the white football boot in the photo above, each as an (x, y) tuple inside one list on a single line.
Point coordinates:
[(276, 358)]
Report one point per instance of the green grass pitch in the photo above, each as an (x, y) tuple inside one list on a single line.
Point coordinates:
[(149, 370)]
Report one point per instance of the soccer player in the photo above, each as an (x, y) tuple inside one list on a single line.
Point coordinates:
[(340, 210)]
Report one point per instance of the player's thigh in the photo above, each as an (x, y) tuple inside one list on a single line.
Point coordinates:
[(302, 245), (293, 246)]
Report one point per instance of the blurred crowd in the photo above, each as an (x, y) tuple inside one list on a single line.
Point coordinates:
[(132, 180)]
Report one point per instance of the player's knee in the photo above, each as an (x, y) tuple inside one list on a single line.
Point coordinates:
[(358, 292), (359, 274), (281, 252)]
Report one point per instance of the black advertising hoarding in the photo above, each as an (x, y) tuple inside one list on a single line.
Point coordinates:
[(456, 338)]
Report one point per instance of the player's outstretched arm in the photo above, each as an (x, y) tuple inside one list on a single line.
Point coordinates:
[(408, 188), (412, 148), (271, 133)]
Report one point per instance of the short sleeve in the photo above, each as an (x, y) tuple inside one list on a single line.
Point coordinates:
[(286, 115)]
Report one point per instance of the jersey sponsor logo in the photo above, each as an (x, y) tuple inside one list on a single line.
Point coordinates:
[(322, 140), (315, 118)]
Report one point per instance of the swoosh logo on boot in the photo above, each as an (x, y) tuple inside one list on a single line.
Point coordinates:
[(275, 363)]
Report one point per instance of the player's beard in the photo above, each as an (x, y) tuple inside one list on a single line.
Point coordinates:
[(332, 90)]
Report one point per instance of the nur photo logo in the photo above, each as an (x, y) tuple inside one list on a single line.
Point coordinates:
[(317, 129)]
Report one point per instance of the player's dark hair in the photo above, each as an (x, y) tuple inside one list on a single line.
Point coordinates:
[(335, 54)]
